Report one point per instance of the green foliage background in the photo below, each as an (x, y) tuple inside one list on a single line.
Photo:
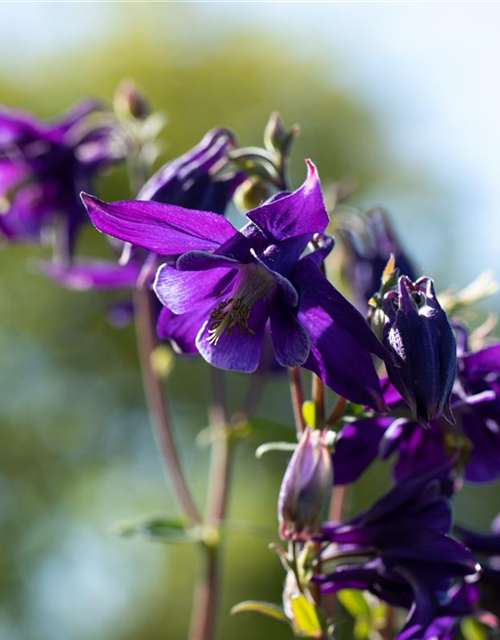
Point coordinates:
[(76, 452)]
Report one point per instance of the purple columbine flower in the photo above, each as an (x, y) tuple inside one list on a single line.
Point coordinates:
[(193, 181), (187, 181), (307, 486), (369, 241), (462, 602), (475, 402), (419, 335), (400, 549), (43, 168), (226, 285)]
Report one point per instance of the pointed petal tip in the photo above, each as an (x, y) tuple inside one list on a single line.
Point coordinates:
[(312, 171)]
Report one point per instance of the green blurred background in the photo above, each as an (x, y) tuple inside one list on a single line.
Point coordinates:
[(76, 452)]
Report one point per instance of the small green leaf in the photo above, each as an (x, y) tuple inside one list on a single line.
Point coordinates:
[(265, 608), (473, 630), (171, 530), (354, 602), (306, 621), (309, 412), (274, 446)]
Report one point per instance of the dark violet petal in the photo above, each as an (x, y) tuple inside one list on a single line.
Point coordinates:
[(315, 285), (290, 339), (181, 291), (164, 229), (93, 274), (337, 358), (483, 430), (301, 213), (420, 449), (237, 351), (404, 492), (290, 296), (356, 448), (481, 363), (181, 330)]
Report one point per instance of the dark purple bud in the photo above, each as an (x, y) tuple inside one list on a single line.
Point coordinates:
[(306, 488), (418, 334)]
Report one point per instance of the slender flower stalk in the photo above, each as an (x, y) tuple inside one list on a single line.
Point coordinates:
[(207, 595), (297, 395), (158, 405)]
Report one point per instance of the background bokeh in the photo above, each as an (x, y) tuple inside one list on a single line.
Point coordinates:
[(402, 98)]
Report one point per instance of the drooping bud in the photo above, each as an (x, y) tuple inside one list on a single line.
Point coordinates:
[(130, 102), (418, 334), (305, 492), (369, 241)]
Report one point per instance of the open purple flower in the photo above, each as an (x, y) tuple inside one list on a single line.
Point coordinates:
[(462, 602), (226, 285), (419, 335), (475, 402), (43, 168), (187, 181), (400, 549)]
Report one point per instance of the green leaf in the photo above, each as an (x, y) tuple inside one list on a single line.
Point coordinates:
[(265, 608), (306, 621), (274, 446), (473, 630), (171, 530)]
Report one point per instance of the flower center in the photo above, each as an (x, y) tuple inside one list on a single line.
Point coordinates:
[(255, 284)]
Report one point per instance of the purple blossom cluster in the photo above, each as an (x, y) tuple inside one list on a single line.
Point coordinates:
[(409, 387)]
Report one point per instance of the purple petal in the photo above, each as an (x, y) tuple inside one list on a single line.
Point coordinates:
[(164, 229), (357, 447), (337, 358), (302, 213), (181, 291), (290, 339), (237, 351), (483, 430), (342, 312), (93, 275), (181, 330)]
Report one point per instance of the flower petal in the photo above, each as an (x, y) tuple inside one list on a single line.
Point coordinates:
[(290, 339), (357, 447), (301, 213), (237, 351), (93, 274), (164, 229), (181, 330), (181, 291)]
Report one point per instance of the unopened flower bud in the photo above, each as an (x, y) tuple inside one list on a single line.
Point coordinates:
[(130, 102), (305, 492), (252, 193), (418, 334)]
